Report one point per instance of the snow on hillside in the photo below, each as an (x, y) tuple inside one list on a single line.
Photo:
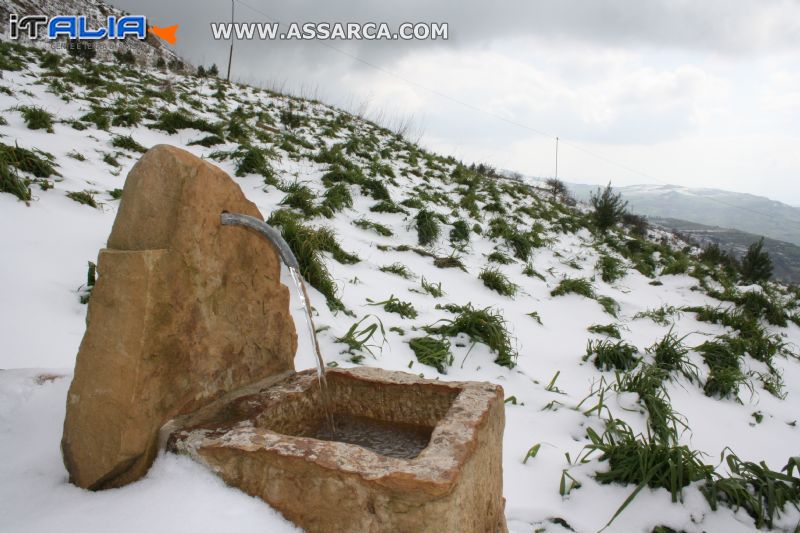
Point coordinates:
[(291, 154)]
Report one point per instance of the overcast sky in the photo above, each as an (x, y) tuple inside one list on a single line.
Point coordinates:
[(696, 93)]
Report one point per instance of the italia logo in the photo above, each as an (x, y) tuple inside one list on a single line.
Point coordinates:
[(78, 27)]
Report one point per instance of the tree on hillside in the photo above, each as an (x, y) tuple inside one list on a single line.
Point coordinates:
[(213, 72), (556, 187), (608, 208), (756, 264)]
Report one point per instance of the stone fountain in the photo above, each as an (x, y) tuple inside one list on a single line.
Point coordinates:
[(189, 348)]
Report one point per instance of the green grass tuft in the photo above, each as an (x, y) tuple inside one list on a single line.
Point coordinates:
[(609, 355), (498, 282), (399, 269), (36, 118), (574, 285), (610, 330), (432, 351), (83, 197), (127, 142), (397, 306), (482, 325), (427, 225), (367, 224)]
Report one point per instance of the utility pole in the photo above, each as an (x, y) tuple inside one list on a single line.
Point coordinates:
[(230, 54), (556, 157)]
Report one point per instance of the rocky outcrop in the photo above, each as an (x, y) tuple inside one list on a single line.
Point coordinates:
[(184, 311)]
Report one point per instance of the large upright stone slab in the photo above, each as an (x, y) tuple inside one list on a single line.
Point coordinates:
[(184, 310)]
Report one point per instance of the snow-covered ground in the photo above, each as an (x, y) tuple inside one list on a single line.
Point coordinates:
[(46, 246)]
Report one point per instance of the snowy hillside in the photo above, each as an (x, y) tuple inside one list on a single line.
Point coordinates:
[(480, 277)]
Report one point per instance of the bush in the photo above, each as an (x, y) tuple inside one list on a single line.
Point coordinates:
[(637, 224), (608, 208), (756, 264)]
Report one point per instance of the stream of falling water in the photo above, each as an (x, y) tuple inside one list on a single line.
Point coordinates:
[(312, 333)]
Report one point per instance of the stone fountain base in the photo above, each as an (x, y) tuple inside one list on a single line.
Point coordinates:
[(254, 442)]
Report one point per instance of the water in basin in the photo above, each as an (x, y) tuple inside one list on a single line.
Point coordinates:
[(393, 439)]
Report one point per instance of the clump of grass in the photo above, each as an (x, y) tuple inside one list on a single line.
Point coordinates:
[(663, 316), (375, 188), (207, 141), (574, 285), (609, 305), (301, 197), (610, 330), (337, 197), (460, 232), (116, 194), (97, 116), (609, 355), (758, 304), (387, 206), (648, 383), (83, 197), (427, 227), (307, 244), (397, 306), (498, 282), (499, 257), (359, 339), (638, 460), (482, 325), (676, 265), (74, 154), (35, 161), (611, 269), (671, 355), (37, 118), (127, 142), (12, 183), (725, 374), (434, 290), (367, 224), (432, 351), (253, 160), (760, 491), (413, 203), (172, 121), (110, 160), (532, 272), (449, 262), (399, 269)]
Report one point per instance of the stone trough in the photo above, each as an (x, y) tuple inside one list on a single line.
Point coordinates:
[(189, 347)]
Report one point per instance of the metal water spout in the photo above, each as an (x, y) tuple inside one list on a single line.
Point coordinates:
[(275, 238)]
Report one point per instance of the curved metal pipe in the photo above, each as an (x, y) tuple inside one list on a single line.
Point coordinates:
[(272, 235)]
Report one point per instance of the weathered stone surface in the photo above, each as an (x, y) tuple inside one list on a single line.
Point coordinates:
[(454, 484), (184, 310)]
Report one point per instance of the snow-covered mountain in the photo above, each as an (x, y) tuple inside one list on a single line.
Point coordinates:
[(713, 207), (615, 350)]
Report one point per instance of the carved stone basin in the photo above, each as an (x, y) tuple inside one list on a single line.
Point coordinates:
[(255, 441)]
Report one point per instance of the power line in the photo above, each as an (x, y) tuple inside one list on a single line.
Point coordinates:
[(502, 118)]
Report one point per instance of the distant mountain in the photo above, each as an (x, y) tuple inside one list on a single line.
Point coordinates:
[(785, 256), (712, 207)]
